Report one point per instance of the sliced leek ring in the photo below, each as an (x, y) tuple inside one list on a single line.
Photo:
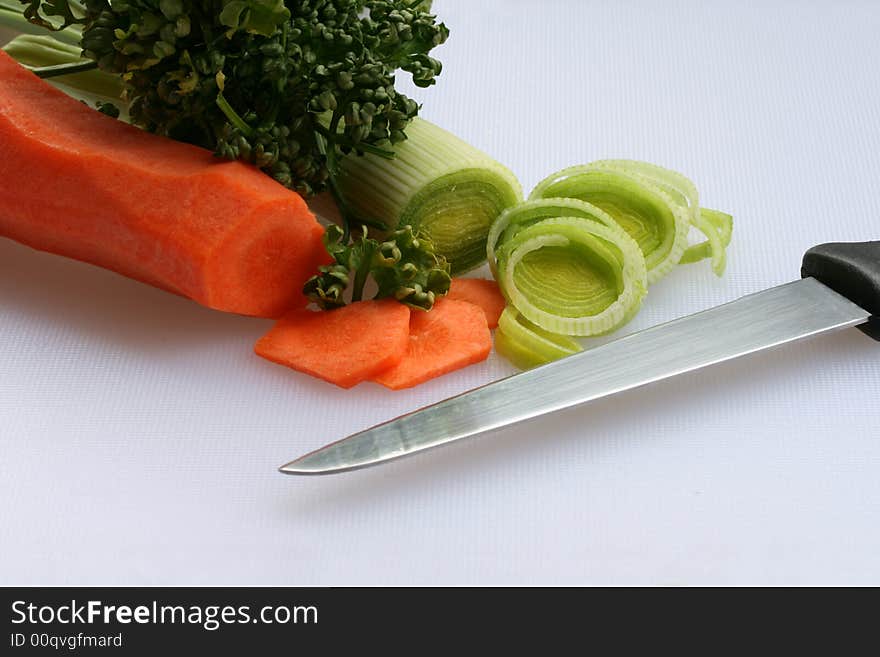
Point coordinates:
[(572, 275), (718, 228), (577, 257), (646, 212), (656, 206), (715, 225), (517, 217), (526, 345)]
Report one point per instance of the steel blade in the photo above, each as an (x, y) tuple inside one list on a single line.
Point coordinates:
[(759, 321)]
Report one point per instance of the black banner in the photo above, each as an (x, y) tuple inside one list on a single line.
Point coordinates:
[(247, 621), (412, 621)]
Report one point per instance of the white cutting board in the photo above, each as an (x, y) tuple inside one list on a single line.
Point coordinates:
[(140, 436)]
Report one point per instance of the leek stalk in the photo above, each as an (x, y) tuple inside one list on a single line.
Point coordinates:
[(43, 51), (436, 183)]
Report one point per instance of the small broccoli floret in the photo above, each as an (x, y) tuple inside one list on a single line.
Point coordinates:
[(403, 266)]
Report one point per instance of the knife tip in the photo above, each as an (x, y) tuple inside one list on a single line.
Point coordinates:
[(311, 464), (327, 460), (300, 467)]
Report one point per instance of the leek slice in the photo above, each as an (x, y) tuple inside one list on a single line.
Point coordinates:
[(645, 211), (526, 345), (715, 225), (436, 183), (718, 228), (656, 206), (513, 219), (572, 275)]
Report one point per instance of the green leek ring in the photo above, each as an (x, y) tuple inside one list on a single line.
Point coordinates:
[(563, 307)]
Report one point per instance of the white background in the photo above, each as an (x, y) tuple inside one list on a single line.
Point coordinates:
[(140, 436)]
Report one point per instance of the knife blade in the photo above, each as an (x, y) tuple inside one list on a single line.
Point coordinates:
[(767, 319)]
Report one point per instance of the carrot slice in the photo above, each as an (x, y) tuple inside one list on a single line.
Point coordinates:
[(452, 335), (343, 346), (480, 292), (83, 185)]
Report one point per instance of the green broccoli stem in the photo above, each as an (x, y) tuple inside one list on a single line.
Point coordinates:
[(328, 144), (342, 140), (363, 272), (232, 116)]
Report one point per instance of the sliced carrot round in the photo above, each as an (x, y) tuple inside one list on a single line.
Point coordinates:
[(343, 346), (452, 335), (480, 292)]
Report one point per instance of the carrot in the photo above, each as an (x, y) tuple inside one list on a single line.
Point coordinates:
[(480, 292), (343, 346), (83, 185), (452, 335)]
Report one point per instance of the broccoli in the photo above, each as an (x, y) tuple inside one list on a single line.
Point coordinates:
[(403, 265), (287, 86)]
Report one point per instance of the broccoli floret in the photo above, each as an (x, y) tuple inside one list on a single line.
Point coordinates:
[(403, 265)]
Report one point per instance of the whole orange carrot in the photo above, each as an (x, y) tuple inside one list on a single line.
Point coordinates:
[(80, 184)]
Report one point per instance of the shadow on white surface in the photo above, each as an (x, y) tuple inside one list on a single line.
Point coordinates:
[(103, 306), (105, 312)]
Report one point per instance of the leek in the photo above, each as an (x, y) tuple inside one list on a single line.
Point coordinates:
[(436, 183), (571, 275), (40, 52), (718, 227), (526, 345), (577, 257), (515, 218), (657, 207)]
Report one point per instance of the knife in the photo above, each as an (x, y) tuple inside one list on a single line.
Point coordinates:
[(839, 288)]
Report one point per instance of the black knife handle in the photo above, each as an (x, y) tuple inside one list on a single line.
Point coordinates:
[(851, 269)]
